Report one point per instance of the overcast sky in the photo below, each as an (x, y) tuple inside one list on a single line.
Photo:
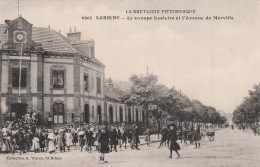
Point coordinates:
[(216, 62)]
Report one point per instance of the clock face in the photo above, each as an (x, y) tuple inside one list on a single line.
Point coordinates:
[(19, 36)]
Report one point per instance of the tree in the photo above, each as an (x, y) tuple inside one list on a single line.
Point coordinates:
[(145, 91)]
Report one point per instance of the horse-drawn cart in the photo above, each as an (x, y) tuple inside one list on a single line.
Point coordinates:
[(209, 134)]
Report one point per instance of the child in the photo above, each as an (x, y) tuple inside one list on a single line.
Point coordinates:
[(12, 140), (68, 139), (51, 143), (60, 144), (148, 137), (89, 139), (124, 137), (81, 138), (104, 148), (173, 141), (36, 143), (42, 141)]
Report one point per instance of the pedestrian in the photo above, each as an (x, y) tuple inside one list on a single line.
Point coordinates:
[(164, 137), (89, 140), (36, 143), (21, 141), (75, 137), (51, 143), (113, 139), (11, 138), (68, 139), (174, 146), (119, 137), (42, 141), (104, 145), (147, 134), (81, 138), (185, 135), (136, 137), (197, 137), (60, 144), (124, 136)]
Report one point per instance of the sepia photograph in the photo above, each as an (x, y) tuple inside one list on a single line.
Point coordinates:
[(129, 83)]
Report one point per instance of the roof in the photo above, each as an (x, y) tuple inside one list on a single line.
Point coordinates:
[(51, 41), (114, 93)]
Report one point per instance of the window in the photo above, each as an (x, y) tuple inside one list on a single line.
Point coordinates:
[(129, 115), (99, 115), (111, 114), (93, 111), (86, 86), (58, 113), (58, 79), (121, 115), (137, 116), (15, 77), (98, 85)]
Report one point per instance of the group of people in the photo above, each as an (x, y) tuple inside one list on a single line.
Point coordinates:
[(25, 135), (191, 134)]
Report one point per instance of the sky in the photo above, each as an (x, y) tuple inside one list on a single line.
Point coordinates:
[(216, 62)]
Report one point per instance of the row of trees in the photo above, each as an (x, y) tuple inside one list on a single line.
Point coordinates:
[(163, 103), (248, 111)]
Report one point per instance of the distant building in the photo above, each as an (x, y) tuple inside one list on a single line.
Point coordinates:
[(60, 78)]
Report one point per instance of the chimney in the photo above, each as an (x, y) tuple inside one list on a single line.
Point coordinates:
[(74, 37), (7, 21), (110, 82)]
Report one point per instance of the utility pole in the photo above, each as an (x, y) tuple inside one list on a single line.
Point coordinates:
[(20, 73), (18, 8)]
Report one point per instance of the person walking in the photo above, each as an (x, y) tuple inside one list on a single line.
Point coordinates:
[(42, 141), (89, 140), (36, 143), (68, 139), (136, 137), (104, 145), (124, 136), (147, 134), (197, 137), (113, 139), (81, 138), (164, 137), (119, 137), (51, 143), (174, 146)]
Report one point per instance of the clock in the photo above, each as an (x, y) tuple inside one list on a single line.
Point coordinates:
[(19, 36)]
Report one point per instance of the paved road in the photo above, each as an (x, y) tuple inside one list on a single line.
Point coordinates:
[(230, 148)]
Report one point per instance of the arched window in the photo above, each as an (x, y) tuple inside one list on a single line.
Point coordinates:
[(120, 114), (111, 114), (58, 113), (99, 114), (129, 115), (136, 115)]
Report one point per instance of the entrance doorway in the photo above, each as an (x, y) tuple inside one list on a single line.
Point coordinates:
[(86, 113), (18, 109)]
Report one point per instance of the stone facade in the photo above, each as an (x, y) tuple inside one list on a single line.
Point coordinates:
[(65, 83)]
